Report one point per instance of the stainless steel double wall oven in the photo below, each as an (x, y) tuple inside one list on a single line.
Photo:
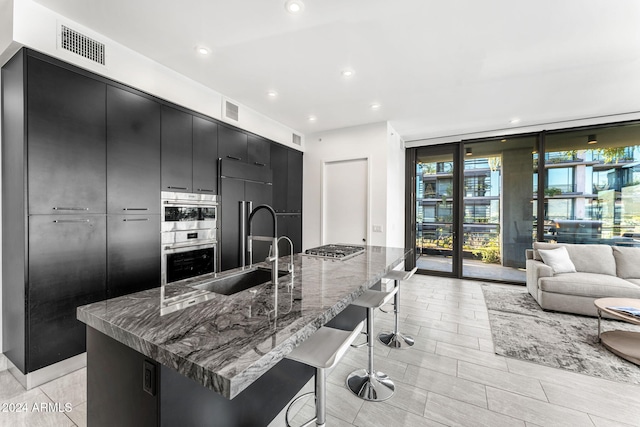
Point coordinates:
[(189, 235)]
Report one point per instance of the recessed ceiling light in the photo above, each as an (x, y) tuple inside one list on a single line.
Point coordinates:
[(347, 73), (514, 121), (294, 6), (272, 94), (202, 50), (375, 106), (503, 140), (312, 118)]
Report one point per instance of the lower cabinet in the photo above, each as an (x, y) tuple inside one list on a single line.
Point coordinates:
[(290, 225), (66, 269), (133, 253)]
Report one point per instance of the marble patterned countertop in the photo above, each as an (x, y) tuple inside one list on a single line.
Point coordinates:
[(227, 342)]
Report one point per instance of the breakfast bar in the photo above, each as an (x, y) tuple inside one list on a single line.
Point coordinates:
[(216, 355)]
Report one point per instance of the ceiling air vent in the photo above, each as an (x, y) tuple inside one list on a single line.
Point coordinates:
[(231, 111), (297, 139), (82, 45)]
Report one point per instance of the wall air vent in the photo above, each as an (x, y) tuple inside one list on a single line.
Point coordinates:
[(82, 45), (231, 111), (297, 139)]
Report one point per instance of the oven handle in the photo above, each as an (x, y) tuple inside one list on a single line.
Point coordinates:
[(173, 203), (184, 247)]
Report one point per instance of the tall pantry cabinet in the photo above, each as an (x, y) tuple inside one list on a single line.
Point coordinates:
[(80, 198)]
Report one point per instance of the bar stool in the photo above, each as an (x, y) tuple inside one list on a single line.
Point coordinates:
[(322, 350), (395, 339), (368, 384)]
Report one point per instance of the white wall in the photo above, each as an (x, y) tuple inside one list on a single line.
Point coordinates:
[(383, 148)]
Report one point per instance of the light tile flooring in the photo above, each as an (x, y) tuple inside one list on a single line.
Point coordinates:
[(451, 377)]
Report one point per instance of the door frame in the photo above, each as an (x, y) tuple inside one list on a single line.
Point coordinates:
[(323, 191), (410, 214)]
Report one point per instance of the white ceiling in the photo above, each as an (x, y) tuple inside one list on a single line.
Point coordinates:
[(436, 67)]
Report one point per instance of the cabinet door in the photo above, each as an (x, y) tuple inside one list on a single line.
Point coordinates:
[(232, 144), (133, 253), (262, 224), (258, 151), (66, 141), (176, 150), (231, 193), (67, 269), (279, 166), (205, 156), (294, 182), (290, 226), (133, 153)]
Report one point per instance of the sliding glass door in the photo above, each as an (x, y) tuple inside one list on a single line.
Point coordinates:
[(436, 207)]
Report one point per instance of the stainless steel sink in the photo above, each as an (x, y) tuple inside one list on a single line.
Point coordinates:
[(238, 282)]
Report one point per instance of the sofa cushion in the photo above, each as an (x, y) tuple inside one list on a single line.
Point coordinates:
[(627, 262), (558, 259), (589, 285), (543, 245), (586, 258), (634, 281)]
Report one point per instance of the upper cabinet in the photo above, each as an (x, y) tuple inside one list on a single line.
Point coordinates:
[(232, 144), (205, 156), (189, 152), (177, 150), (133, 153), (258, 151), (67, 144), (287, 179)]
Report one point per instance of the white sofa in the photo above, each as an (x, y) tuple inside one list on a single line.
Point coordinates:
[(601, 271)]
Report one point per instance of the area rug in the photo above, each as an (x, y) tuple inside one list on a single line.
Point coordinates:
[(522, 330)]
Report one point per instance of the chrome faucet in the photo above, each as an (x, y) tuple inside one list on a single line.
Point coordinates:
[(273, 250), (290, 264)]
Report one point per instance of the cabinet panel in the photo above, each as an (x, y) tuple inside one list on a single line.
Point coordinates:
[(177, 139), (205, 156), (290, 226), (258, 151), (66, 148), (232, 144), (279, 165), (294, 182), (231, 193), (262, 224), (67, 269), (133, 253), (133, 153)]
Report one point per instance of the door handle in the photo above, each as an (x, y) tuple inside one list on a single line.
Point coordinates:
[(135, 219), (60, 221), (60, 208), (135, 209)]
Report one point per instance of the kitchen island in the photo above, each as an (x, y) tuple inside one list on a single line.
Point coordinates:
[(222, 357)]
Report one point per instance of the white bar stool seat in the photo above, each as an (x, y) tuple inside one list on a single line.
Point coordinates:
[(396, 339), (368, 384), (322, 350)]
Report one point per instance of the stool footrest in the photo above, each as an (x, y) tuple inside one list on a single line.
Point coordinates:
[(286, 415)]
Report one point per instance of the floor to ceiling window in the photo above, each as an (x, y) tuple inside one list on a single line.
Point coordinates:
[(477, 205)]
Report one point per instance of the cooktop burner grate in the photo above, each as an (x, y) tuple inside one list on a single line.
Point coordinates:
[(337, 251)]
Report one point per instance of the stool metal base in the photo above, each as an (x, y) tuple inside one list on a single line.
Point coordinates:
[(376, 387), (396, 340)]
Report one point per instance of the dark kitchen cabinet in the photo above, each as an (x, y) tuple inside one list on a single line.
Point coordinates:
[(232, 144), (177, 150), (205, 156), (66, 270), (287, 179), (290, 225), (133, 153), (233, 192), (133, 253), (66, 132), (258, 151)]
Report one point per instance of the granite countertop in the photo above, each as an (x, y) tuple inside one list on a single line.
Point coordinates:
[(227, 342)]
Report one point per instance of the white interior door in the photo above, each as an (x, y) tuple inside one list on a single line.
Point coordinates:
[(345, 201)]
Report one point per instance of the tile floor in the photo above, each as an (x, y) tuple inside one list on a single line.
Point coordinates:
[(451, 377)]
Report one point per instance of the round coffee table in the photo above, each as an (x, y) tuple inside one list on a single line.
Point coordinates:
[(625, 344)]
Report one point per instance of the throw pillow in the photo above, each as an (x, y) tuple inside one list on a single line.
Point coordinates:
[(558, 259)]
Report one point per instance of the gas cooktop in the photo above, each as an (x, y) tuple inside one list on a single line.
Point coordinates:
[(337, 251)]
